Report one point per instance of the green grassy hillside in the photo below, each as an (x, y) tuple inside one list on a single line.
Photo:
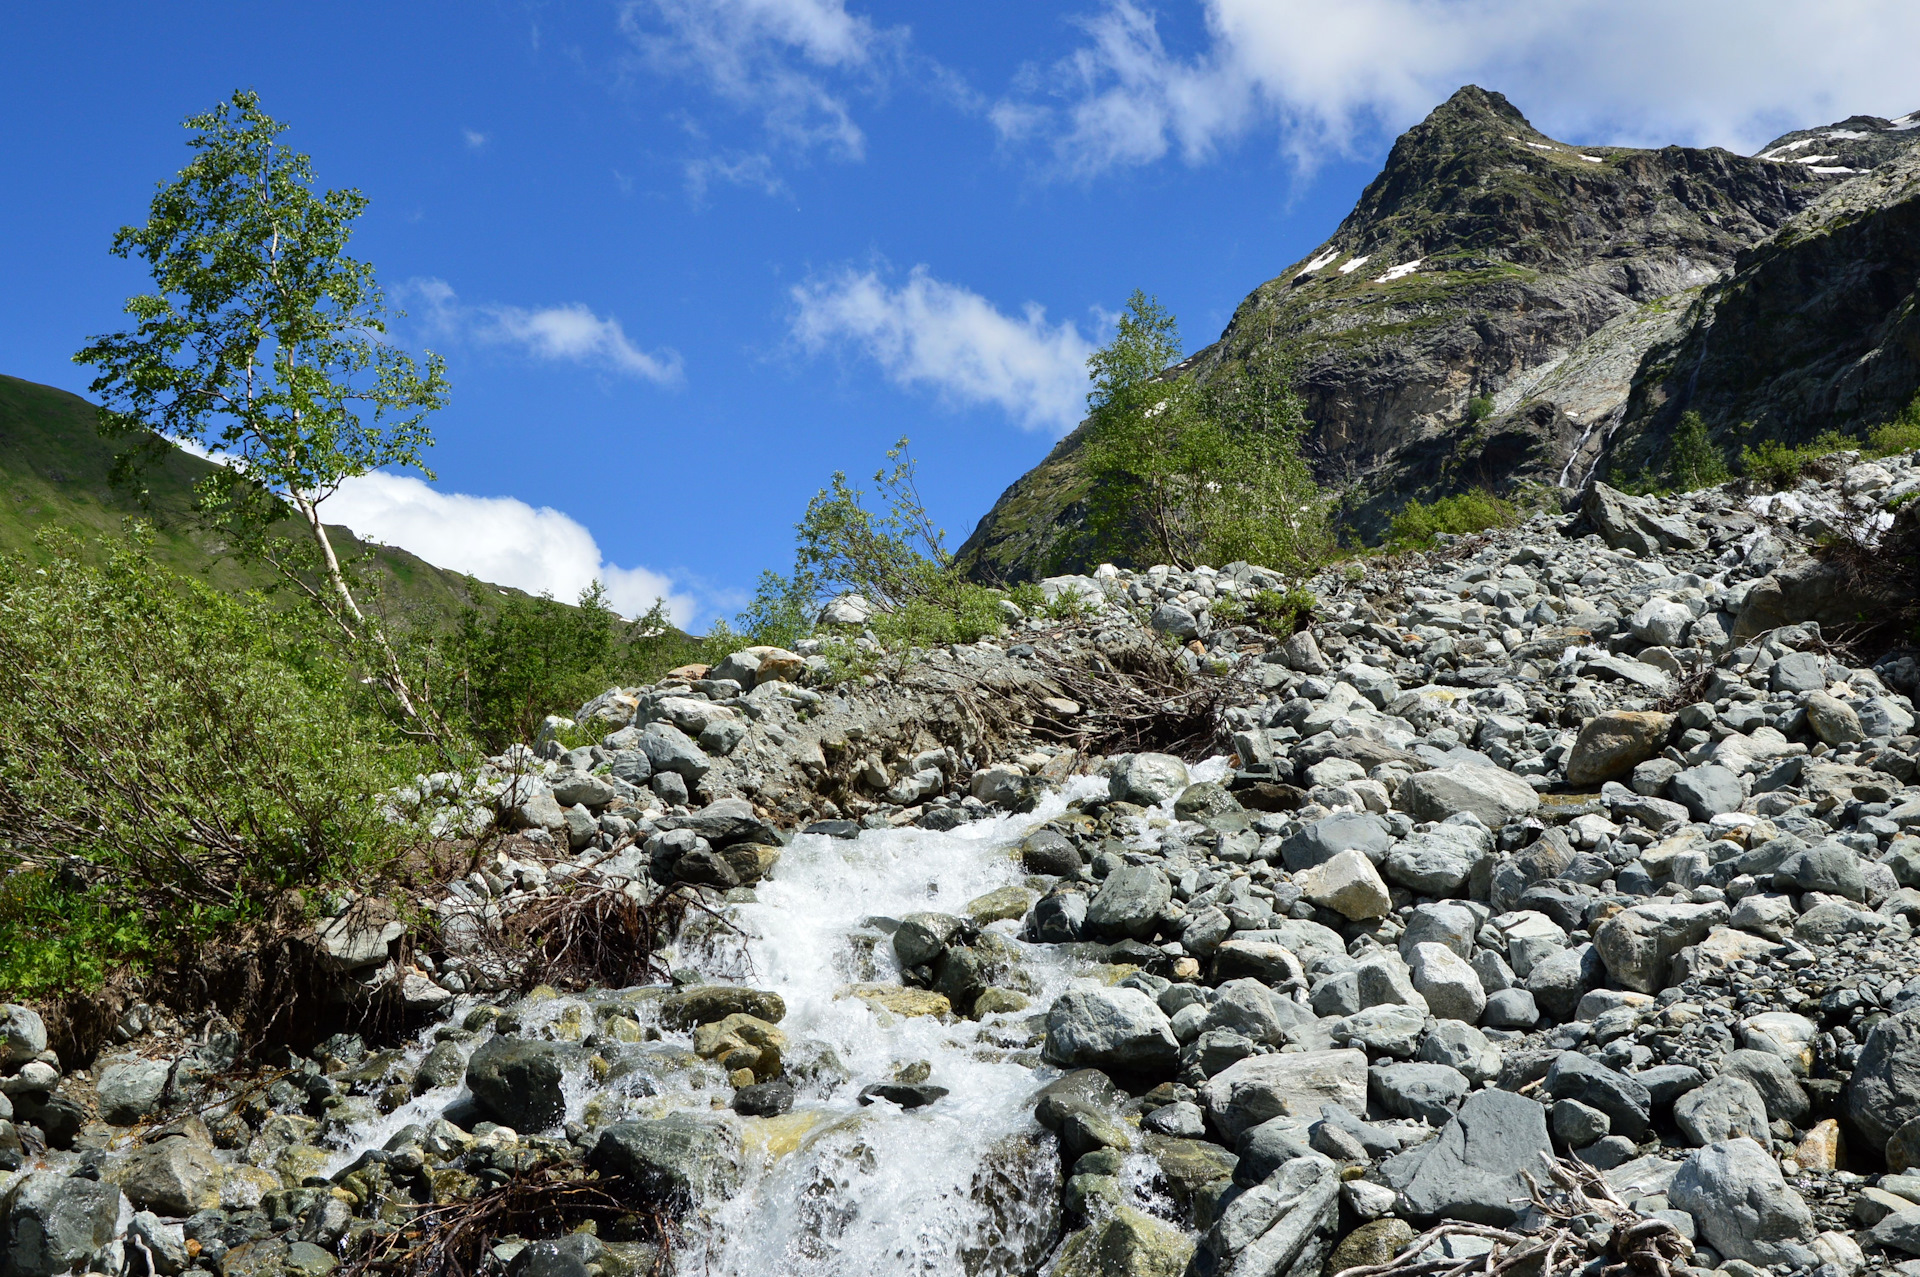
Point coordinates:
[(54, 468)]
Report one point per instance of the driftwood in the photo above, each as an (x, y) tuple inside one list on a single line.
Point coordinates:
[(452, 1239), (1580, 1219), (1130, 695)]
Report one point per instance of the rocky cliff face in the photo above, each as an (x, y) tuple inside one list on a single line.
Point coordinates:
[(1488, 259)]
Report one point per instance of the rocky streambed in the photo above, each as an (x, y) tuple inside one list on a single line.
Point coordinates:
[(1578, 852)]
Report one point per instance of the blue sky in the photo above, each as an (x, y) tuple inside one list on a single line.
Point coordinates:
[(686, 258)]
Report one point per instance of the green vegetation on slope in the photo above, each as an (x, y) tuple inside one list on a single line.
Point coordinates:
[(54, 472)]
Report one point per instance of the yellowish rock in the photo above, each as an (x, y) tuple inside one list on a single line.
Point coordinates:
[(995, 1001), (775, 1137), (742, 1041), (900, 1000), (1820, 1150)]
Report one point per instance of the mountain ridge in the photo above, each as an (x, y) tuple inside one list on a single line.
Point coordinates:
[(1486, 259)]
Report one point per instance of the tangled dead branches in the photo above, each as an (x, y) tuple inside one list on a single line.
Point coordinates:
[(1579, 1219), (594, 934), (451, 1239), (1131, 695)]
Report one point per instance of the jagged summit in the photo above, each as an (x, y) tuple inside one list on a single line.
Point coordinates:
[(1489, 260), (1842, 149)]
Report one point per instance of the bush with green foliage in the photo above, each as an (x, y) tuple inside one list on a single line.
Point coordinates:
[(1693, 459), (172, 760), (1479, 409), (1902, 434), (1418, 523), (504, 669), (1185, 472)]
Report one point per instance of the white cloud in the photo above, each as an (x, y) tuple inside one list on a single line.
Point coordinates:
[(1322, 77), (499, 539), (476, 140), (931, 333), (789, 61), (570, 333), (755, 169)]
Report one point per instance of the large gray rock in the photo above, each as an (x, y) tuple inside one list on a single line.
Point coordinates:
[(1707, 791), (922, 937), (1884, 1092), (690, 1157), (1473, 1169), (130, 1089), (1636, 523), (22, 1035), (1282, 1227), (1741, 1205), (53, 1222), (669, 749), (1115, 1028), (1724, 1108), (1437, 862), (1463, 1047), (1428, 1092), (1348, 884), (1638, 944), (1263, 1087), (1627, 1104), (518, 1082), (1798, 672), (1323, 839), (1127, 903), (1773, 1079), (175, 1176), (1148, 779), (1448, 983), (1829, 868), (1558, 981), (1494, 796)]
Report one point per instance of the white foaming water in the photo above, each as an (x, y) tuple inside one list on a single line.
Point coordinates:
[(965, 1185), (879, 1190)]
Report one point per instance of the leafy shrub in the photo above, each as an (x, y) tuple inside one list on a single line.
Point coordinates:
[(1479, 409), (1693, 460), (511, 665), (1279, 612), (1902, 434), (1186, 472), (171, 760), (1418, 523), (1779, 465)]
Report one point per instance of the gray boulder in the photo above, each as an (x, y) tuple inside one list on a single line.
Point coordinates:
[(1773, 1079), (1428, 1092), (130, 1089), (669, 749), (1798, 672), (1282, 1227), (1884, 1092), (1322, 840), (922, 937), (1472, 1171), (518, 1082), (23, 1035), (1638, 944), (1463, 1047), (1262, 1087), (1494, 796), (1573, 1076), (690, 1157), (1116, 1028), (1829, 868), (1635, 523), (1723, 1109), (1741, 1205), (1436, 862), (53, 1222), (1127, 903), (1707, 791), (1148, 779), (175, 1176), (1559, 981)]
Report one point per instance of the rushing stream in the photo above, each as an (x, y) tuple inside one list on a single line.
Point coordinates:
[(965, 1185)]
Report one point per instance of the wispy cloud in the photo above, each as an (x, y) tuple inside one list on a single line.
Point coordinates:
[(570, 333), (499, 539), (793, 63), (752, 170), (476, 140), (1319, 79), (942, 336)]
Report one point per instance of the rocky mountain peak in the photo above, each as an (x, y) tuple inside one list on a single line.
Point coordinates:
[(1842, 149)]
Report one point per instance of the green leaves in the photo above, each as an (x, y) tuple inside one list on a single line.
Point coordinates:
[(263, 340), (1186, 471)]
